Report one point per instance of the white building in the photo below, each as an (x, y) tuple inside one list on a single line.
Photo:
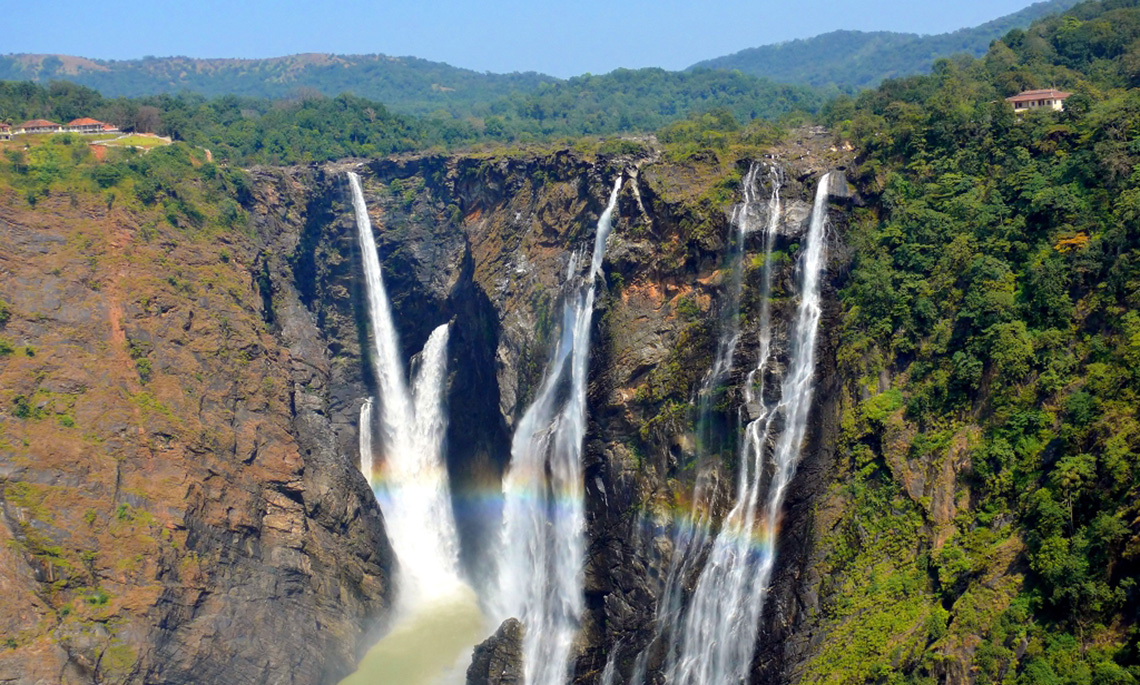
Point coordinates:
[(1038, 99)]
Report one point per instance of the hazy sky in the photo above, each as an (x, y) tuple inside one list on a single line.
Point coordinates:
[(564, 39)]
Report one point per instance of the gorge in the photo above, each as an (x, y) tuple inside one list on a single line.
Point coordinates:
[(540, 551), (539, 556)]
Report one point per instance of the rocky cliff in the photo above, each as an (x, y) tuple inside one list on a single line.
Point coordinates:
[(483, 241), (174, 506)]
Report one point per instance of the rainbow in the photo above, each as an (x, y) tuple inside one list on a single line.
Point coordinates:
[(682, 516)]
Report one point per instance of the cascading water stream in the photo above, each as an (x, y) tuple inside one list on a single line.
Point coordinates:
[(412, 487), (722, 621), (691, 535), (711, 387), (366, 440), (609, 672), (542, 544)]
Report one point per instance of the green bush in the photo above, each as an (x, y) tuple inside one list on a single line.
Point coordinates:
[(21, 408)]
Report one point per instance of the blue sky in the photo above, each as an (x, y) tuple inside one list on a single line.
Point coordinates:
[(564, 39)]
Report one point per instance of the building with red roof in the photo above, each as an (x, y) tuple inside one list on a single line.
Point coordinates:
[(85, 125), (81, 125), (38, 126), (89, 125), (1038, 99), (5, 131)]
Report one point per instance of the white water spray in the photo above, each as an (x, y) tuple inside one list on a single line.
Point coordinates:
[(366, 440), (542, 544), (412, 486), (609, 673)]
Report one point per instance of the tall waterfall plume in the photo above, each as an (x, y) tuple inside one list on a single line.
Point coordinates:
[(722, 621), (742, 224), (542, 544), (412, 484)]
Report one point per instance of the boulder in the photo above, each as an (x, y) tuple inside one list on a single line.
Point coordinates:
[(499, 659)]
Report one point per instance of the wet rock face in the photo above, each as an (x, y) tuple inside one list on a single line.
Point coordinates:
[(645, 466), (498, 660)]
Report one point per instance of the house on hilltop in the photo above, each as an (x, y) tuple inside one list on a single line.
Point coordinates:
[(81, 125), (38, 126), (89, 125), (1038, 99)]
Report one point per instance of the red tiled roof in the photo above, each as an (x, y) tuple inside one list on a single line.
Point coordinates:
[(4, 126), (38, 123), (1030, 95), (110, 127), (86, 121)]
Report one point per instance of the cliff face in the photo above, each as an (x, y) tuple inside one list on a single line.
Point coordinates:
[(179, 478), (174, 508)]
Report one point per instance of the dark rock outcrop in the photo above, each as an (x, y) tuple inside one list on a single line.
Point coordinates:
[(498, 660)]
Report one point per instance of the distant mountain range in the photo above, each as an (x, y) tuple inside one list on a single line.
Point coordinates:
[(847, 60), (852, 60), (408, 84)]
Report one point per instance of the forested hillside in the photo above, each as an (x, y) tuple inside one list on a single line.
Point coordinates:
[(623, 100), (852, 60), (991, 338), (316, 128)]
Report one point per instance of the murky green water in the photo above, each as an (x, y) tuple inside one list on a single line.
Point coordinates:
[(430, 647)]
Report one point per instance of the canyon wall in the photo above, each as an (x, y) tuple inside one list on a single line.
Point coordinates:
[(174, 505)]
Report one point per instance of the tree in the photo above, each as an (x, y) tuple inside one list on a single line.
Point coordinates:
[(148, 119)]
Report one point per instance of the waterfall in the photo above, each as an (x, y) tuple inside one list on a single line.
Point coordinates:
[(366, 440), (720, 627), (412, 486), (542, 544), (712, 387), (609, 673), (691, 535)]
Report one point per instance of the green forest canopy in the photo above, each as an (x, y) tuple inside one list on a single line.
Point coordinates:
[(316, 128), (849, 61), (996, 280)]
